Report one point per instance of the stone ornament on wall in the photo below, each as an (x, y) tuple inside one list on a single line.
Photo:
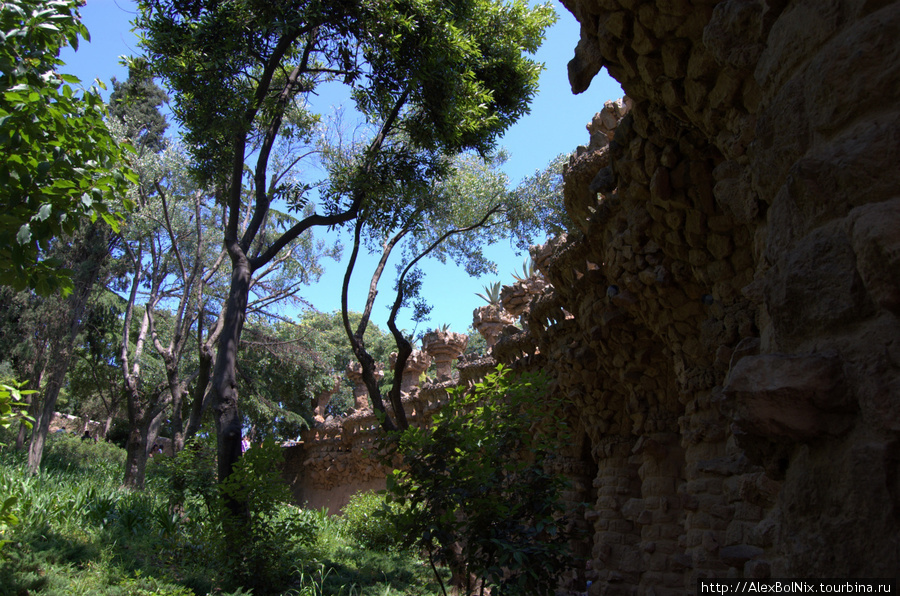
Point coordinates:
[(444, 347)]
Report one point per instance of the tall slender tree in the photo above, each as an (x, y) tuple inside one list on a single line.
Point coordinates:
[(426, 76)]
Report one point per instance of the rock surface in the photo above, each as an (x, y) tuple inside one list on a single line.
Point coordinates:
[(724, 328)]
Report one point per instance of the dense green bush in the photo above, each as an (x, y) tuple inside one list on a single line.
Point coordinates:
[(272, 531), (66, 450), (475, 492), (366, 519)]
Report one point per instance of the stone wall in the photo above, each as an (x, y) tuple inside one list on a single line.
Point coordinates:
[(725, 323)]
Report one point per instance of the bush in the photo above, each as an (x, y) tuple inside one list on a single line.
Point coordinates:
[(474, 490), (269, 530), (367, 520), (64, 451)]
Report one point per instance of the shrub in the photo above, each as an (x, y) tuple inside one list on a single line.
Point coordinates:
[(270, 530), (366, 519), (474, 490), (65, 451)]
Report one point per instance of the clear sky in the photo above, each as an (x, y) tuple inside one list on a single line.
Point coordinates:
[(555, 125)]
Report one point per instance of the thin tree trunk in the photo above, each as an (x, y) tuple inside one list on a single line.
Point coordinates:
[(89, 258), (107, 424), (38, 370), (201, 395), (42, 420)]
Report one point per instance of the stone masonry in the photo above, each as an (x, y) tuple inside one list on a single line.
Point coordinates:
[(724, 323)]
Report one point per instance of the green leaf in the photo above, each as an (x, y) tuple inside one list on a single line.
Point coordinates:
[(24, 234)]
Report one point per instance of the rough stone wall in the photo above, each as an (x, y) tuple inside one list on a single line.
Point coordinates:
[(726, 324)]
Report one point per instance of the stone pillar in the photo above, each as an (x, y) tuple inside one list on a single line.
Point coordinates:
[(444, 347), (703, 437), (360, 391), (490, 321), (322, 400), (616, 541), (661, 520), (417, 363)]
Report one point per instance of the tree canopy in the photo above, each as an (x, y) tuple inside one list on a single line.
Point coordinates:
[(60, 162), (429, 79)]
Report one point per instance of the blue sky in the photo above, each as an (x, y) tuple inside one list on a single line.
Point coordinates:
[(555, 125)]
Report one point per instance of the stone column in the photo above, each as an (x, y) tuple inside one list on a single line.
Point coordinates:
[(661, 519), (360, 391), (707, 514), (490, 321), (322, 400), (417, 363), (444, 347), (616, 554)]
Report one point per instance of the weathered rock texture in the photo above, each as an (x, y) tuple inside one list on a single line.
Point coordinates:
[(726, 325)]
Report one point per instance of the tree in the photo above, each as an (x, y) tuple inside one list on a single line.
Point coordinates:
[(466, 206), (442, 216), (135, 103), (284, 368), (474, 492), (325, 334), (59, 162), (426, 76), (95, 378), (86, 255)]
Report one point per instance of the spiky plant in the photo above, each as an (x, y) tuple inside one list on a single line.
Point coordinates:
[(527, 270), (491, 295)]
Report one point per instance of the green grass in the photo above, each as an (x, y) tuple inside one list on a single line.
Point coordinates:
[(80, 533)]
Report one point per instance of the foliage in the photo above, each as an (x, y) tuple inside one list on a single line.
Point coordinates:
[(474, 489), (10, 412), (70, 453), (476, 343), (365, 521), (491, 294), (537, 209), (325, 333), (11, 404), (191, 474), (60, 162), (81, 534), (527, 270), (136, 104), (271, 530)]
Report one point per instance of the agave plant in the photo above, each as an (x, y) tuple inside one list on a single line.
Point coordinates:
[(527, 270), (491, 295)]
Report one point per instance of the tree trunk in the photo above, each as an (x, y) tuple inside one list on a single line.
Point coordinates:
[(38, 370), (201, 395), (106, 424), (223, 389), (144, 423), (135, 455), (88, 259), (42, 420), (177, 389)]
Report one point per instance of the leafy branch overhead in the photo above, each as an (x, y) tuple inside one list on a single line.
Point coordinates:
[(61, 163)]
